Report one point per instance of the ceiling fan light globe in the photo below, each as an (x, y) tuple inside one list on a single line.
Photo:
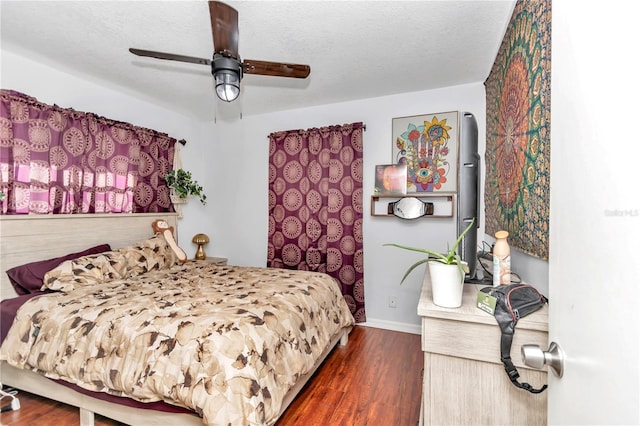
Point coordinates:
[(227, 85), (227, 93)]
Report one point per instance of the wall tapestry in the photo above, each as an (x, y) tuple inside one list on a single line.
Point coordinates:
[(518, 92), (428, 145)]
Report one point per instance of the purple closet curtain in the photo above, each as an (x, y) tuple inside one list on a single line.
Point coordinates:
[(315, 206), (58, 160)]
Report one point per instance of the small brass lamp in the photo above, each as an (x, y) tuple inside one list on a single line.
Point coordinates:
[(200, 240)]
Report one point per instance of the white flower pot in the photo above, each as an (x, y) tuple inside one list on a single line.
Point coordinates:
[(175, 199), (446, 284)]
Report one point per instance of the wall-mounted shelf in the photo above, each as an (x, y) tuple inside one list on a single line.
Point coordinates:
[(442, 203)]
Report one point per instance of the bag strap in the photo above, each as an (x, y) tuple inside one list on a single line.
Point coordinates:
[(505, 356)]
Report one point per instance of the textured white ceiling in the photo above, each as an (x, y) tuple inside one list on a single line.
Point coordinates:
[(356, 49)]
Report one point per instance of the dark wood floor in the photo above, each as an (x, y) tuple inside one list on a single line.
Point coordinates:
[(375, 380)]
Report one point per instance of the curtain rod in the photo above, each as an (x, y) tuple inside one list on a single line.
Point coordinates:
[(184, 142), (364, 128)]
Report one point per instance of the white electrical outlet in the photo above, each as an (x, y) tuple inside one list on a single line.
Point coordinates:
[(393, 302)]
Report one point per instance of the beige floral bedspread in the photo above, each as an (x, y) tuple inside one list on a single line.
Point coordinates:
[(228, 346)]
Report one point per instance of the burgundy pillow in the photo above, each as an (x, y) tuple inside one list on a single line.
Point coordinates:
[(28, 278)]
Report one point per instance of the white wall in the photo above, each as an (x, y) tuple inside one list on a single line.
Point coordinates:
[(240, 161), (229, 158), (242, 150)]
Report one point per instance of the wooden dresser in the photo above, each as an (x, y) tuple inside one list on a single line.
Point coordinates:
[(464, 381)]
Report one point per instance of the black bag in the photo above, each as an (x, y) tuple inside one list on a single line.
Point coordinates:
[(514, 301)]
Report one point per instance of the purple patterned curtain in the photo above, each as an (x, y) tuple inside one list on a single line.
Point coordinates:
[(58, 160), (315, 206)]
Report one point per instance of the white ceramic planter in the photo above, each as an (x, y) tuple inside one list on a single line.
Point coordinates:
[(446, 284), (175, 199)]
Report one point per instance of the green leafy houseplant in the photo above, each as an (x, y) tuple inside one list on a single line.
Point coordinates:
[(183, 185), (449, 258)]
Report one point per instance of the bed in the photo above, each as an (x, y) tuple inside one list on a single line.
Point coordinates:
[(175, 319)]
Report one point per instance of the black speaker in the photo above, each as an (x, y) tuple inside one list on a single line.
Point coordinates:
[(468, 204)]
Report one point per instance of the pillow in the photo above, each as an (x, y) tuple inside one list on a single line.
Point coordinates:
[(86, 270), (27, 278), (147, 255)]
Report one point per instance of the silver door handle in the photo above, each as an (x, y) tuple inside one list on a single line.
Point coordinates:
[(535, 357)]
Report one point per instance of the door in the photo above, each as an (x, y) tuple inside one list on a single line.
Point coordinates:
[(594, 263)]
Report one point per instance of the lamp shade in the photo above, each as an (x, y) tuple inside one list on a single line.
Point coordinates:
[(200, 239)]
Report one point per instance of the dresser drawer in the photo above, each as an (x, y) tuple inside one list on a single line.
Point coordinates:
[(475, 340)]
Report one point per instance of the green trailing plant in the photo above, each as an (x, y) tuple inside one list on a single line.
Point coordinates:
[(183, 185), (449, 258)]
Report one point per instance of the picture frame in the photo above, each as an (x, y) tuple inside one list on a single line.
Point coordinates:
[(428, 145), (391, 179)]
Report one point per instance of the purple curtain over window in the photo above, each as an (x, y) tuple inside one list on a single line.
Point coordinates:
[(315, 206), (58, 160)]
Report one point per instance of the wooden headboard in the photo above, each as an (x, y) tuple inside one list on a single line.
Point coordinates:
[(28, 238)]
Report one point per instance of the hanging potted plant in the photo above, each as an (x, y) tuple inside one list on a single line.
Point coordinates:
[(446, 271), (182, 186)]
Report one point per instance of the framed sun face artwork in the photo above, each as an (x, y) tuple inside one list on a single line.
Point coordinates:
[(428, 145)]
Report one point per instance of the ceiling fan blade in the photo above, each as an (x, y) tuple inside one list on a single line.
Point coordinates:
[(170, 56), (224, 28), (275, 69)]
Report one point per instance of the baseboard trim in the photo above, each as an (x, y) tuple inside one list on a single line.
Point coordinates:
[(392, 325)]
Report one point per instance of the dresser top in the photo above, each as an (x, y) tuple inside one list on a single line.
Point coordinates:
[(469, 312)]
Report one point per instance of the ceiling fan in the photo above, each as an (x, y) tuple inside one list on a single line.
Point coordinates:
[(226, 66)]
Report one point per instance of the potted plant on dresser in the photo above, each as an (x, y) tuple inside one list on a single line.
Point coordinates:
[(182, 185), (446, 272)]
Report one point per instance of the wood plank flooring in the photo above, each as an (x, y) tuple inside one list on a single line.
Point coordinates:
[(375, 381)]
